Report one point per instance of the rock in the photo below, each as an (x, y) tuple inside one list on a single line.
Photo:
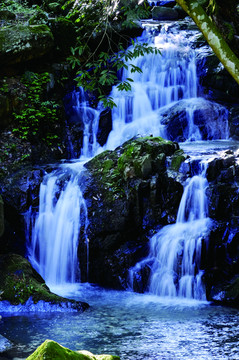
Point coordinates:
[(64, 33), (234, 122), (4, 111), (50, 350), (164, 13), (105, 126), (20, 43), (182, 124), (19, 282), (128, 192)]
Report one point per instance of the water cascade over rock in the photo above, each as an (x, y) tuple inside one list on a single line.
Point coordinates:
[(175, 250), (168, 82)]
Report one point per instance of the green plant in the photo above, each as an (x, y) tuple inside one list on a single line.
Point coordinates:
[(97, 69), (39, 117)]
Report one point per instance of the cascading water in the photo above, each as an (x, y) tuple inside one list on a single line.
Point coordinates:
[(55, 232), (175, 251), (165, 80)]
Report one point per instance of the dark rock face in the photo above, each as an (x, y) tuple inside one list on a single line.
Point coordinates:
[(105, 126), (221, 256), (128, 192)]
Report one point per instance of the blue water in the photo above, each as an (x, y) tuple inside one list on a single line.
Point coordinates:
[(133, 326)]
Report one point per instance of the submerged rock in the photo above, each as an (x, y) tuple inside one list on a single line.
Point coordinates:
[(19, 282), (50, 350)]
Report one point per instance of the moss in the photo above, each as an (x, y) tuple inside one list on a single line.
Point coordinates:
[(177, 159), (50, 350), (19, 281), (39, 29), (135, 159)]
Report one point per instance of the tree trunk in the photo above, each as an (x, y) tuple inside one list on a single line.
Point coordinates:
[(213, 36)]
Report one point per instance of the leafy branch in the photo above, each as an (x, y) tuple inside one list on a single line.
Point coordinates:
[(98, 70)]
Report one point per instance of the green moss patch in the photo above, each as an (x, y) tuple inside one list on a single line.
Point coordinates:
[(50, 350), (139, 158), (19, 281)]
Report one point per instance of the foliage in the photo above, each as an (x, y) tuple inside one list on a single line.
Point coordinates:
[(17, 6), (98, 68), (38, 116)]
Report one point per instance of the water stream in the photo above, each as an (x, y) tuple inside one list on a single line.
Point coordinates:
[(170, 324)]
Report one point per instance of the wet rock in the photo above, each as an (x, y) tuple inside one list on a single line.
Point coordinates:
[(19, 282), (52, 350), (128, 192), (20, 43), (234, 122), (164, 13), (186, 118), (105, 126)]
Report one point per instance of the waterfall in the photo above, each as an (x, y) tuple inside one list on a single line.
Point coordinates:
[(61, 221), (55, 229), (175, 250), (165, 79)]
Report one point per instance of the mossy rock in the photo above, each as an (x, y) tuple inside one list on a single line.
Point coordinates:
[(21, 43), (139, 158), (19, 281), (177, 159), (50, 350)]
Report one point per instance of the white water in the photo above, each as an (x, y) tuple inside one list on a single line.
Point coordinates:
[(55, 230), (166, 79), (175, 251)]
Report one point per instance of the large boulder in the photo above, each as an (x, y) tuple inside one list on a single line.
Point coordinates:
[(128, 192), (20, 43), (19, 283), (194, 119), (50, 350)]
